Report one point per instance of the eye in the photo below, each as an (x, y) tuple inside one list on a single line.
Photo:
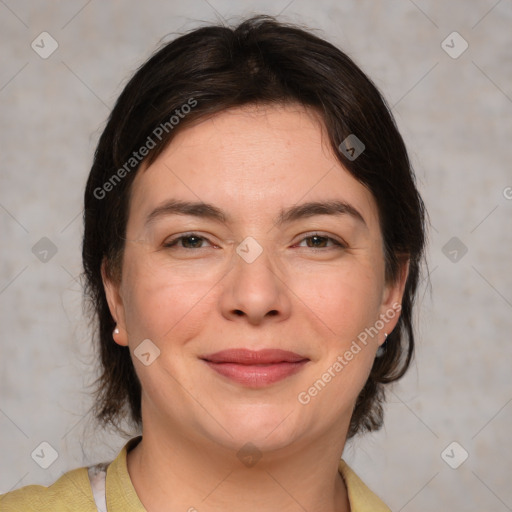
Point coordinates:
[(317, 241), (187, 241)]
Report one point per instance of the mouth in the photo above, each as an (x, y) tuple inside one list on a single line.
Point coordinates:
[(255, 368)]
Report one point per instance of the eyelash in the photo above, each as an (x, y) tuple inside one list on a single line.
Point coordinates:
[(173, 243)]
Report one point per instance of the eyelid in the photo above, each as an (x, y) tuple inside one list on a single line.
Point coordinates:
[(338, 242), (175, 239)]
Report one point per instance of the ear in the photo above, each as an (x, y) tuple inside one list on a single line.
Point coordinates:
[(392, 300), (115, 304)]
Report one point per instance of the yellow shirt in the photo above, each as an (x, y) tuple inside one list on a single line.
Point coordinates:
[(72, 492)]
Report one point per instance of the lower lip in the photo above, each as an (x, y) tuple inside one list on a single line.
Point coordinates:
[(257, 375)]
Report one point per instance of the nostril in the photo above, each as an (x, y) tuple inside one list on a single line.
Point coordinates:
[(238, 312)]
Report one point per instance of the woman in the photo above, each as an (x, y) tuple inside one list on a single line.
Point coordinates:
[(252, 246)]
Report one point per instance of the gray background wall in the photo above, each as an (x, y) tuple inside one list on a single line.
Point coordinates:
[(456, 117)]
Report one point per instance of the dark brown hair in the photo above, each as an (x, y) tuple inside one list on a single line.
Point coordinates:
[(214, 68)]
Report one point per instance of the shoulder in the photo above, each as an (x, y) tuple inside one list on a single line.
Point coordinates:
[(361, 498), (71, 492)]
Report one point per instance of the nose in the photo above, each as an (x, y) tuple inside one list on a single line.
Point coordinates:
[(254, 292)]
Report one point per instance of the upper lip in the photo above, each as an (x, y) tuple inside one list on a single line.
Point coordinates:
[(248, 357)]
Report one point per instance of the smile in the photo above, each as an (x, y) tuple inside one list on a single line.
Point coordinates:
[(255, 368)]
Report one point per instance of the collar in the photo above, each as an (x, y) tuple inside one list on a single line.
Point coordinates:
[(121, 495)]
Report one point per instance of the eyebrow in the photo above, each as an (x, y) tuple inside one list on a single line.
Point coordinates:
[(288, 215), (313, 208)]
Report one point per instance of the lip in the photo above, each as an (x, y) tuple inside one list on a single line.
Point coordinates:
[(255, 368)]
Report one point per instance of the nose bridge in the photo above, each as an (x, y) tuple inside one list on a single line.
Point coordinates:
[(255, 291)]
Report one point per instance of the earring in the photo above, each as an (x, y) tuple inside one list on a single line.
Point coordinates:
[(116, 331), (382, 349)]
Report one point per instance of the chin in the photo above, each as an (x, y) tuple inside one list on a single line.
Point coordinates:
[(266, 427)]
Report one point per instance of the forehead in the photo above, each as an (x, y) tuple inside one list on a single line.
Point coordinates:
[(252, 160)]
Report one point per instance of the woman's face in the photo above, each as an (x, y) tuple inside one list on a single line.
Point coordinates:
[(245, 235)]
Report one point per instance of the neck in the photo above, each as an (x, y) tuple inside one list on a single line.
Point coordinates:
[(174, 472)]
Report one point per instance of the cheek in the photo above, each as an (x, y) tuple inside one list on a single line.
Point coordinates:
[(347, 303), (346, 300), (161, 299)]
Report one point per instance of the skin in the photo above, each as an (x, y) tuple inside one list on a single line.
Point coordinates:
[(306, 295)]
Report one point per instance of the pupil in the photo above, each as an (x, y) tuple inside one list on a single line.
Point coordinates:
[(192, 241), (314, 239)]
